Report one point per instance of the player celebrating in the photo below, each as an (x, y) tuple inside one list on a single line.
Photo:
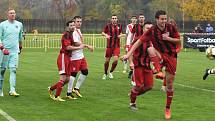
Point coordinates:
[(143, 75), (77, 60), (128, 42), (164, 38), (11, 40), (178, 49), (112, 32)]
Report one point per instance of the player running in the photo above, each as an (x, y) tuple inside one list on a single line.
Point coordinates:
[(164, 38)]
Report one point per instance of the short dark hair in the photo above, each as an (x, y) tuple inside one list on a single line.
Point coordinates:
[(141, 14), (114, 15), (79, 17), (147, 22), (159, 12), (133, 16), (67, 23)]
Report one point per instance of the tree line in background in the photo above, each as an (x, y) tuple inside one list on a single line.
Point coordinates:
[(102, 9)]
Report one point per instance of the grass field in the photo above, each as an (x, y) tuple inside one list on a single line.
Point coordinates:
[(107, 100)]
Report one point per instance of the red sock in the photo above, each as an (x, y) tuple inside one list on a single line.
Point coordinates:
[(106, 65), (114, 64), (59, 88), (54, 86), (169, 98), (164, 82), (156, 63), (134, 94)]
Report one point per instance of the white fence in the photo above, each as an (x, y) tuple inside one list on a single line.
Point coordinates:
[(47, 41)]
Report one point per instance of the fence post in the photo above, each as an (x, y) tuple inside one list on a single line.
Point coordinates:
[(93, 40), (46, 42)]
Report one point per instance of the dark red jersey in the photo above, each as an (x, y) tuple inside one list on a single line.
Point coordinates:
[(141, 56), (137, 30), (154, 35), (113, 31), (66, 40)]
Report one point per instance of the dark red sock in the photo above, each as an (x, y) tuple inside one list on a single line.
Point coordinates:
[(114, 64), (134, 94), (169, 98), (156, 63), (59, 88), (54, 86), (106, 65), (164, 82)]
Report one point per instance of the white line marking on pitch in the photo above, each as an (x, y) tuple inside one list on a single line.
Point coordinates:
[(8, 117), (207, 90), (192, 87)]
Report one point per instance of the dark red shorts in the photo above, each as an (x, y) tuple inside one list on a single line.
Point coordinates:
[(112, 52), (142, 76), (78, 65), (170, 63), (63, 63)]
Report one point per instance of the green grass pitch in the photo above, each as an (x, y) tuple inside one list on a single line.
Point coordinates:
[(107, 100)]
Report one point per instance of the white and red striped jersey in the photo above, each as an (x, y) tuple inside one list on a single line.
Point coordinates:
[(128, 32)]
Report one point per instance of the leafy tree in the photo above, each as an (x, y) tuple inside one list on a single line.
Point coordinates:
[(172, 7), (198, 9)]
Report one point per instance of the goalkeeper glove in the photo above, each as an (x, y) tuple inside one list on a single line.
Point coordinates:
[(5, 51)]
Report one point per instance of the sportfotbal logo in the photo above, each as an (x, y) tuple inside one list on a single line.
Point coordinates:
[(200, 40)]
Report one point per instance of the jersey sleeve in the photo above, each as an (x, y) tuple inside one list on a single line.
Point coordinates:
[(147, 36), (105, 30), (175, 32), (21, 32), (66, 40), (1, 31)]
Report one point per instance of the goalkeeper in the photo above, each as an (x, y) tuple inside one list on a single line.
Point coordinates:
[(11, 45)]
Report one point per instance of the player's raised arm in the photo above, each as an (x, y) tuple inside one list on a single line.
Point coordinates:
[(134, 47)]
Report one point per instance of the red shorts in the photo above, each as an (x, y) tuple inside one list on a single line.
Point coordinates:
[(127, 48), (170, 63), (112, 52), (142, 76), (63, 63), (78, 65)]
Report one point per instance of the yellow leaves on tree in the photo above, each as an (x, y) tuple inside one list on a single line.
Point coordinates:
[(198, 9)]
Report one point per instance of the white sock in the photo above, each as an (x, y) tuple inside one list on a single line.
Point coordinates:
[(80, 80), (70, 84)]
